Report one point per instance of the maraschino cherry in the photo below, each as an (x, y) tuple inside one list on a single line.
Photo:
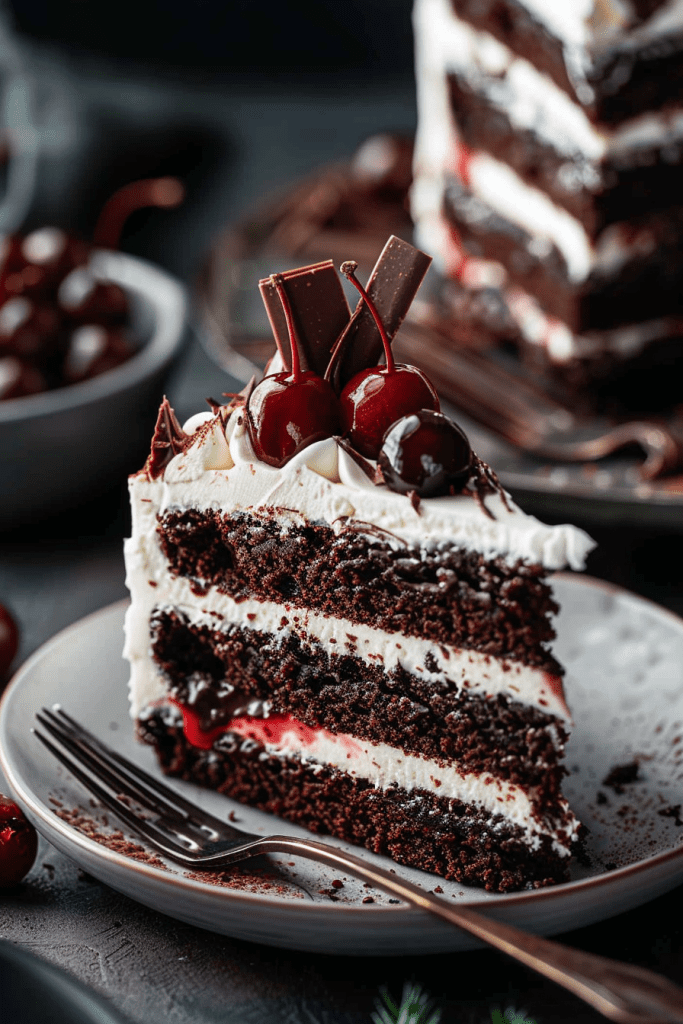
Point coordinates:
[(18, 843), (289, 410), (378, 396), (425, 452)]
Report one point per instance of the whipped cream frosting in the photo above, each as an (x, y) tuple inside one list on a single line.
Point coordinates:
[(324, 484)]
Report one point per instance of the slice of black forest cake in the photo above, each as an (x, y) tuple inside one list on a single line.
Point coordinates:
[(348, 629)]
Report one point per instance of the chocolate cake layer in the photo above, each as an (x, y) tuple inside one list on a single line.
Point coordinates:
[(624, 79), (449, 596), (629, 81), (514, 26), (218, 672), (446, 837), (624, 185), (645, 287)]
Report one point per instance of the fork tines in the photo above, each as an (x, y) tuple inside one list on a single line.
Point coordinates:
[(167, 818)]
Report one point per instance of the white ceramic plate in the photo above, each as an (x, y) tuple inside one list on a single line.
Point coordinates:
[(624, 659)]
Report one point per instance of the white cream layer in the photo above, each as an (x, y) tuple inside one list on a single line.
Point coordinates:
[(324, 485), (384, 766), (151, 586)]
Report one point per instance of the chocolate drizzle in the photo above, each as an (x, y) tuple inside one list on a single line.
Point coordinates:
[(169, 440), (485, 482)]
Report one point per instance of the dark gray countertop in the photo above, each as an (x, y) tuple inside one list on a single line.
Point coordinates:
[(151, 967)]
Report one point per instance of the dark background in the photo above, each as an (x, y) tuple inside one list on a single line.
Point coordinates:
[(208, 37)]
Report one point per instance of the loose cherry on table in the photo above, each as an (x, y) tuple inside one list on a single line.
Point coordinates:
[(289, 410), (9, 641), (378, 396), (18, 843), (425, 452)]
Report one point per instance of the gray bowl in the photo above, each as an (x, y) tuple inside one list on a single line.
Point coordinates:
[(61, 447), (32, 991)]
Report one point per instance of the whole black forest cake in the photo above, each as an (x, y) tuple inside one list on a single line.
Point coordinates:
[(547, 182)]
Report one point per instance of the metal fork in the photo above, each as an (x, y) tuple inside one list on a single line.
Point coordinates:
[(188, 835)]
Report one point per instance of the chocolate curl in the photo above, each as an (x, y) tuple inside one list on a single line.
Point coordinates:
[(169, 439), (392, 286), (319, 310)]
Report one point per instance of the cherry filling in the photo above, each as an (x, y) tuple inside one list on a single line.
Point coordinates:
[(289, 411), (271, 731), (378, 396), (426, 452)]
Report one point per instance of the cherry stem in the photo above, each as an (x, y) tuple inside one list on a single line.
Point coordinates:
[(164, 193), (279, 285), (348, 269)]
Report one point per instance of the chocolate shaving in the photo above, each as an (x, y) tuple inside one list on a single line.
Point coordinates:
[(622, 775), (360, 526), (392, 286), (168, 441), (368, 468), (415, 501), (672, 812), (319, 310), (485, 482)]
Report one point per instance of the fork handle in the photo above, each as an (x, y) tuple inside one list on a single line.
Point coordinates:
[(622, 992)]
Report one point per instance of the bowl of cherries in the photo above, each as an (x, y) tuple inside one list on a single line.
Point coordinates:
[(88, 337)]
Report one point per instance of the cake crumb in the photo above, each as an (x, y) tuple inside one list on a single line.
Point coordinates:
[(622, 775), (672, 812)]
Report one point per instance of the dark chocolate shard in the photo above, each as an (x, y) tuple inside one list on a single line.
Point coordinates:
[(483, 482), (392, 286), (371, 469), (169, 440), (237, 400), (319, 310)]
